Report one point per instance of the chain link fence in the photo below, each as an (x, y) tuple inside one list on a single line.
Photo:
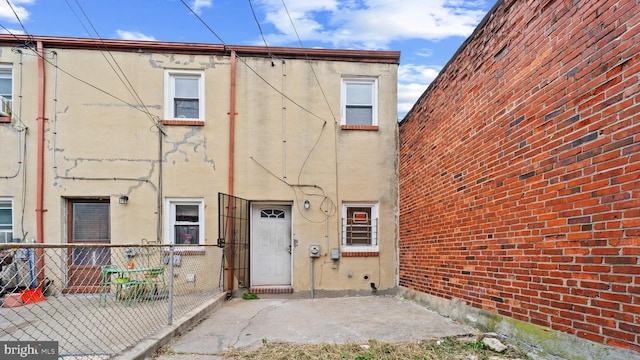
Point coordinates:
[(97, 301)]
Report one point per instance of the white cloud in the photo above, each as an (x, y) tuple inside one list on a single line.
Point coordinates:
[(418, 73), (371, 24), (134, 35), (413, 80), (425, 52), (6, 14), (408, 94), (12, 31), (198, 5), (375, 25)]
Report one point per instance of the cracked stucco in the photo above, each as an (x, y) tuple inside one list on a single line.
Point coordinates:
[(161, 61), (192, 142)]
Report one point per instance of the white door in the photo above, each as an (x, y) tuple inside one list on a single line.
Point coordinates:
[(271, 245)]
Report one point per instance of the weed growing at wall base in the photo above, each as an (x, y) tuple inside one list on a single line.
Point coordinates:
[(449, 348)]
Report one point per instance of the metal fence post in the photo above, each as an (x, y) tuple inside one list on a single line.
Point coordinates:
[(170, 307)]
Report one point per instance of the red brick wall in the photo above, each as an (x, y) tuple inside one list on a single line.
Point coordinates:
[(520, 171)]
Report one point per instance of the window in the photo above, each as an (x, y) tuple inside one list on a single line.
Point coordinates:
[(360, 227), (6, 220), (185, 222), (359, 102), (184, 95), (6, 90), (272, 213)]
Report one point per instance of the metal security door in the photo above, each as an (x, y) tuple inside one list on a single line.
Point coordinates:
[(88, 222), (271, 245), (233, 236)]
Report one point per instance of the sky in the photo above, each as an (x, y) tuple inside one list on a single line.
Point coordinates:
[(426, 32)]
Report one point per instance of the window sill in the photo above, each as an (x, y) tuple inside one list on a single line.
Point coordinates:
[(360, 127), (360, 253), (5, 119), (183, 122)]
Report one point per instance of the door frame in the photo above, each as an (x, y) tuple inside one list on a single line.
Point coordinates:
[(255, 205), (91, 286)]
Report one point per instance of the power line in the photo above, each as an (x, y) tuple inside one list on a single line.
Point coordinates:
[(324, 95), (308, 61), (204, 23), (272, 86), (252, 69), (19, 21), (258, 22), (119, 72), (35, 51)]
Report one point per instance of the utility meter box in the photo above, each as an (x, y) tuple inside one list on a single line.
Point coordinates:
[(335, 254), (314, 250)]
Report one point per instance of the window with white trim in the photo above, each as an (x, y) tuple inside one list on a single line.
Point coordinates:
[(359, 102), (184, 95), (6, 220), (360, 226), (184, 222), (6, 89)]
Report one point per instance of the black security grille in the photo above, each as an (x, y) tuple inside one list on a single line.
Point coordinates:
[(233, 237)]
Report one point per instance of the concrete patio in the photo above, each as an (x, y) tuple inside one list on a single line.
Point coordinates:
[(243, 324)]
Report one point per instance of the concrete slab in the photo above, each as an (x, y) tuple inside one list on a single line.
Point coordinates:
[(243, 324)]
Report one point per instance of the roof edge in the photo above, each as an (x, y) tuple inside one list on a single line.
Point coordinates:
[(371, 56)]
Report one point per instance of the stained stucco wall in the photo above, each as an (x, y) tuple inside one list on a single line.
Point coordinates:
[(99, 146)]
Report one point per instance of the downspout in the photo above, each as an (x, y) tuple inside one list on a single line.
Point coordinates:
[(40, 171), (159, 198), (232, 120)]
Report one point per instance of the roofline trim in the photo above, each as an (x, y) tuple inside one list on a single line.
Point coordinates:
[(371, 56)]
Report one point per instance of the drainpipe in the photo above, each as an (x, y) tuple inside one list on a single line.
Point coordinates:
[(232, 120), (40, 171)]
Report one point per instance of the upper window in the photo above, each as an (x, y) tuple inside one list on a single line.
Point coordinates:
[(360, 227), (6, 89), (359, 102), (185, 222), (184, 95), (6, 220)]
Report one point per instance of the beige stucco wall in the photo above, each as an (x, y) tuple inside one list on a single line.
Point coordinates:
[(365, 170), (97, 146)]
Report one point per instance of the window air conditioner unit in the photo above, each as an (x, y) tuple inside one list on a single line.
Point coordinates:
[(5, 106)]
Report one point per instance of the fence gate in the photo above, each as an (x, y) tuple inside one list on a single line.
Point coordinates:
[(233, 237)]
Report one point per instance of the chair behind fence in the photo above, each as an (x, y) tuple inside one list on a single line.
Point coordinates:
[(97, 301)]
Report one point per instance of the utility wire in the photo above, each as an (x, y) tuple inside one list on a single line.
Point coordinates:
[(119, 72), (19, 21), (204, 23), (301, 186), (30, 47), (309, 61), (252, 69), (324, 95), (255, 17), (277, 90), (259, 27), (35, 51)]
